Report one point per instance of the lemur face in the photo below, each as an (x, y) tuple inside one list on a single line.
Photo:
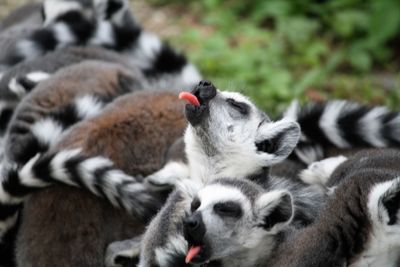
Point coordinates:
[(229, 126), (230, 217)]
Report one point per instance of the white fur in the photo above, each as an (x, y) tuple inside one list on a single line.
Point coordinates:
[(54, 8), (175, 244), (27, 177), (47, 131), (384, 245), (57, 165), (16, 88), (1, 75), (214, 193), (270, 200), (371, 125), (87, 169), (328, 123), (5, 197), (190, 75), (309, 155), (63, 34), (28, 49), (319, 172), (104, 34), (169, 175), (292, 111), (145, 50), (38, 76), (88, 106)]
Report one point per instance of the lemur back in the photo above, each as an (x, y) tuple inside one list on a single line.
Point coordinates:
[(127, 133), (359, 226)]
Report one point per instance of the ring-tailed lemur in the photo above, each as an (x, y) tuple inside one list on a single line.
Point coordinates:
[(75, 93), (117, 30), (360, 224), (237, 223), (118, 135), (228, 136)]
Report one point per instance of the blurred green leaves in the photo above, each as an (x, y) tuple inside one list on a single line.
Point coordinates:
[(278, 50)]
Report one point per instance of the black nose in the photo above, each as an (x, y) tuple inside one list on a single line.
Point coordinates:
[(205, 90), (194, 228)]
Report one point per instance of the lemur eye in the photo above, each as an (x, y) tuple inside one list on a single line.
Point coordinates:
[(228, 209), (195, 204), (243, 108)]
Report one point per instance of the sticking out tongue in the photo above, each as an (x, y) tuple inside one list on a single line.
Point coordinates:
[(189, 97), (193, 251)]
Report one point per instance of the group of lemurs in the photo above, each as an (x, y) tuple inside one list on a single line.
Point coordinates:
[(102, 165)]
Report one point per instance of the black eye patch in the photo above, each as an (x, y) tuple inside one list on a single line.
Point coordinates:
[(243, 108), (228, 209), (195, 204)]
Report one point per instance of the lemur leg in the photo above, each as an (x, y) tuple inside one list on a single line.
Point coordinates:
[(318, 173), (123, 253)]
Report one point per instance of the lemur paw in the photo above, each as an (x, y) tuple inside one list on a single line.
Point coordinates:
[(123, 253), (319, 172), (168, 176)]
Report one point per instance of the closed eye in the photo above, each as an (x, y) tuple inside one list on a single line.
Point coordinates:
[(243, 108), (228, 209)]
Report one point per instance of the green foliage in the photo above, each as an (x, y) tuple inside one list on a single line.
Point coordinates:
[(277, 50)]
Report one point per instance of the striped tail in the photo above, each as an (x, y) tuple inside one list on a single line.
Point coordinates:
[(119, 32), (97, 175), (343, 124)]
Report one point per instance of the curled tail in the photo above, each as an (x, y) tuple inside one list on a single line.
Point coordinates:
[(97, 175), (343, 124), (117, 31)]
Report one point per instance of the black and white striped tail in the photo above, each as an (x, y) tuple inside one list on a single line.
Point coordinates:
[(120, 33), (343, 124), (98, 175)]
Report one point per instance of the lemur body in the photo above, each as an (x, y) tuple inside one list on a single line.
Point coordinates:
[(227, 137), (126, 133), (238, 223), (75, 93), (360, 224)]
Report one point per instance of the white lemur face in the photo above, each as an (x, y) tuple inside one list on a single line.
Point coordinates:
[(231, 132), (232, 217)]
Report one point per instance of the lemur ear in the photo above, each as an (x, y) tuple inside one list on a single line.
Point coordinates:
[(275, 210), (276, 140), (384, 203)]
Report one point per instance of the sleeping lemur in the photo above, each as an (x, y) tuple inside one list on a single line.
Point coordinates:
[(227, 137), (234, 222), (116, 30), (360, 224)]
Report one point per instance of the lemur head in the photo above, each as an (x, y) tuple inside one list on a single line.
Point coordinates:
[(229, 132), (234, 217)]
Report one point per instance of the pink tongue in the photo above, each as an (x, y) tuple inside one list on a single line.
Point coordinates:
[(189, 97), (193, 251)]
